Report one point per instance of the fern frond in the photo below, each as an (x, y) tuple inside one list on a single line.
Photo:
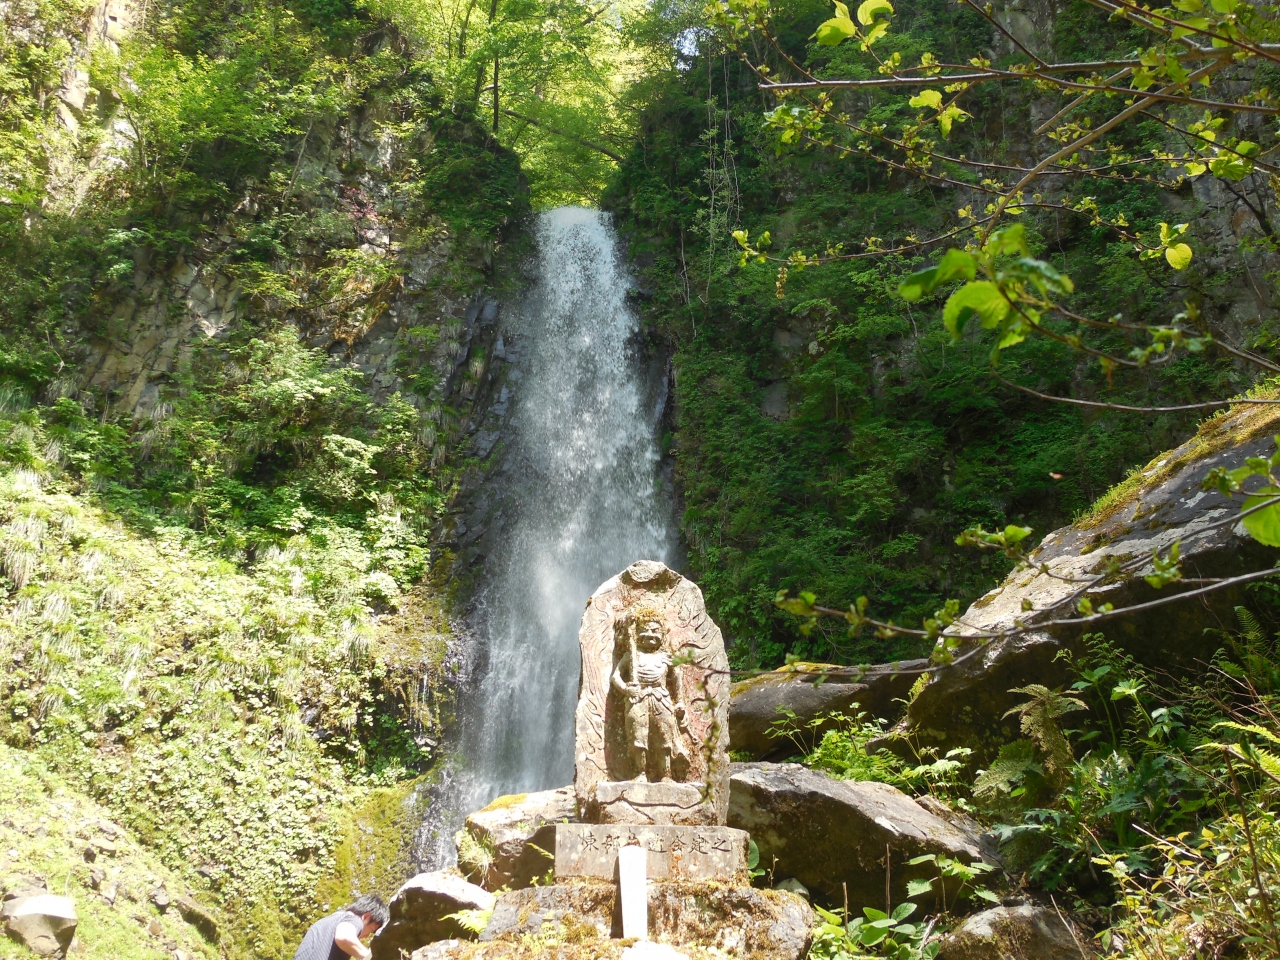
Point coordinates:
[(1249, 625), (1039, 722), (1253, 728), (1008, 770), (473, 921)]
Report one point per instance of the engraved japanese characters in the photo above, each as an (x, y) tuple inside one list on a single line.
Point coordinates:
[(653, 702)]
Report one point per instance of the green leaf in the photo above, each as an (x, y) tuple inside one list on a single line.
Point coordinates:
[(1264, 525), (874, 33), (1179, 256), (1010, 239), (918, 284), (828, 915), (870, 935), (835, 31), (869, 10), (1014, 534), (986, 894), (1230, 167), (956, 265), (945, 119), (1045, 276), (978, 297), (916, 888), (927, 98)]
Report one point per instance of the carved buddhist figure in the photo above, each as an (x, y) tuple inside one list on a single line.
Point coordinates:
[(655, 713)]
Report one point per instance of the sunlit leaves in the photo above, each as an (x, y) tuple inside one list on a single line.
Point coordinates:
[(1261, 511), (1167, 569), (838, 29), (955, 265), (1262, 516), (869, 11), (980, 298), (1178, 255), (872, 15), (927, 98), (1011, 297)]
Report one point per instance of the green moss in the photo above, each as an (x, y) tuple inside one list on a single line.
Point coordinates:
[(1231, 427), (45, 826), (374, 846), (510, 800)]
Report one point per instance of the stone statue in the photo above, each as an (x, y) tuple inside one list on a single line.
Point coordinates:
[(655, 714), (652, 724)]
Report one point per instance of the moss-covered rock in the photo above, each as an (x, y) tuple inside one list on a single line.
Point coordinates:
[(1161, 505)]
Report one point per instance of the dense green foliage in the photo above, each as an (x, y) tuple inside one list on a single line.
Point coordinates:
[(1145, 806), (48, 826), (218, 604), (215, 609), (883, 438)]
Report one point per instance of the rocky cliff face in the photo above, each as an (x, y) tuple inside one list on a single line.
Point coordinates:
[(430, 319)]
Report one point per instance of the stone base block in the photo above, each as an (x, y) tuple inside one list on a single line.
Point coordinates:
[(738, 920), (632, 801), (590, 850)]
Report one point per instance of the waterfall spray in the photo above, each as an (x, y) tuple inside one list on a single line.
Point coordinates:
[(582, 463)]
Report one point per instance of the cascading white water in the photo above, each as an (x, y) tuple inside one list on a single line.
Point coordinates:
[(582, 465)]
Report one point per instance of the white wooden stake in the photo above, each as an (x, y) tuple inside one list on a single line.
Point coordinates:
[(633, 891)]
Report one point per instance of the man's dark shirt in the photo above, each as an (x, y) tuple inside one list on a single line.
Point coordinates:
[(318, 943)]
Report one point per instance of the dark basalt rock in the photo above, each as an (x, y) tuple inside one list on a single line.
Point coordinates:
[(511, 842), (833, 835), (1027, 932), (421, 913)]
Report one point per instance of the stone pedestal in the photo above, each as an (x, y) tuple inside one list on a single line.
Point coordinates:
[(738, 921), (590, 850), (632, 801)]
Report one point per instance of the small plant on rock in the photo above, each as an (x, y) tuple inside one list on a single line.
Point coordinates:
[(874, 934), (953, 873)]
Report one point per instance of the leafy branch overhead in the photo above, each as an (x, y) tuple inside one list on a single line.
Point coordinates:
[(1190, 77)]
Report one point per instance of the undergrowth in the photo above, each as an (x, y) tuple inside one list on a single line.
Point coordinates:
[(1145, 806)]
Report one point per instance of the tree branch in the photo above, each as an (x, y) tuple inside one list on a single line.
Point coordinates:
[(600, 148)]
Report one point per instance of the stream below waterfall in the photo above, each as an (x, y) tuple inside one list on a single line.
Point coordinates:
[(580, 465)]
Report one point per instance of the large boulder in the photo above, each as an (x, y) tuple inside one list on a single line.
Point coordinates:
[(512, 841), (1161, 505), (44, 923), (738, 920), (421, 913), (812, 691), (1027, 932), (834, 835)]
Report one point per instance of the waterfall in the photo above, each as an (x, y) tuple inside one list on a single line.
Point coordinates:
[(581, 465)]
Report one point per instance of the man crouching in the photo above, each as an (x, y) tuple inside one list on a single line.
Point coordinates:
[(338, 935)]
